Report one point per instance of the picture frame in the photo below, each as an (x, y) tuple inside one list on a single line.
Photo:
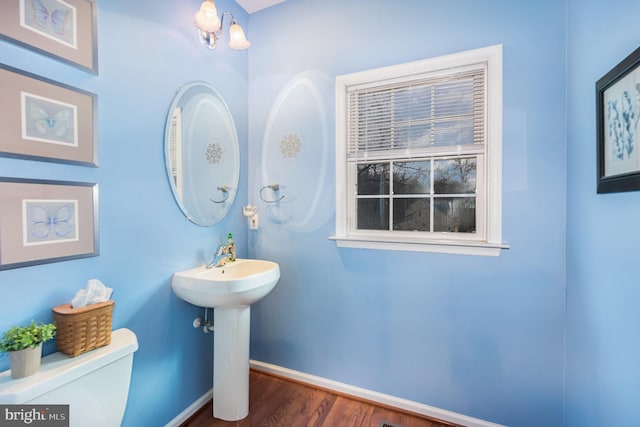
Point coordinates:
[(65, 30), (47, 120), (618, 127), (43, 221)]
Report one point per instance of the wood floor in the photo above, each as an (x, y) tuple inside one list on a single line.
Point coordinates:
[(278, 402)]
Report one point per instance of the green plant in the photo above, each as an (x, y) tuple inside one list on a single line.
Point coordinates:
[(21, 337)]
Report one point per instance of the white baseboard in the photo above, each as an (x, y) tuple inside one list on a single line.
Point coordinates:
[(372, 396), (192, 409), (346, 389)]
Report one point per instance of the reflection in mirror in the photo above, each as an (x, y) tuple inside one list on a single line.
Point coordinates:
[(202, 153)]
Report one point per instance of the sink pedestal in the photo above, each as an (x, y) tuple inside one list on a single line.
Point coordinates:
[(231, 363)]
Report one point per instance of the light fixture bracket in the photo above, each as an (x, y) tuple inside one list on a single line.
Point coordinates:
[(210, 39)]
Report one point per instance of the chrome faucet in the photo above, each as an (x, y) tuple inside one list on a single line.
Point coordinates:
[(223, 255)]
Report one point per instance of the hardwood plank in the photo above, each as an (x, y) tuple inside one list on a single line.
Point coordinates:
[(347, 412), (279, 402)]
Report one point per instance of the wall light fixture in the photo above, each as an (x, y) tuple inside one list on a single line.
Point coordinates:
[(209, 26)]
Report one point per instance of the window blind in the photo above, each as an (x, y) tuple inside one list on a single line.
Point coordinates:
[(420, 113)]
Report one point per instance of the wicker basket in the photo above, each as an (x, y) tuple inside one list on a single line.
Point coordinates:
[(82, 329)]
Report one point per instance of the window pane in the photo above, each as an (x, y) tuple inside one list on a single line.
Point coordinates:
[(455, 214), (411, 214), (373, 214), (455, 176), (412, 103), (453, 108), (373, 179), (373, 122), (412, 177), (413, 136), (458, 131), (454, 98)]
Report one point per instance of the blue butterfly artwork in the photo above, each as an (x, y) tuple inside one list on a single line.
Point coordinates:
[(44, 123), (49, 121), (56, 19), (50, 221)]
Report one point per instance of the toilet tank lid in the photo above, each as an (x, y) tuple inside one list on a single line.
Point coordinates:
[(58, 369)]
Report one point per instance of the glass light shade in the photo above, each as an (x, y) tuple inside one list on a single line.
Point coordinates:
[(209, 7), (207, 19), (237, 39)]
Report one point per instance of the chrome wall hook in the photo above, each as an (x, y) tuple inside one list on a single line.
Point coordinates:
[(225, 194), (275, 188)]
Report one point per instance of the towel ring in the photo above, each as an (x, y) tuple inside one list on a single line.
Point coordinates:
[(275, 188), (225, 194)]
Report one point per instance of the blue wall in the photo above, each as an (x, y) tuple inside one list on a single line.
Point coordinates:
[(603, 349), (146, 50), (481, 336)]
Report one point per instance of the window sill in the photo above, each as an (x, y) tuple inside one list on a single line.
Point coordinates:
[(437, 246)]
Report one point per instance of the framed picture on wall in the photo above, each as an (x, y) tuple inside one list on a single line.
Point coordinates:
[(46, 120), (62, 29), (46, 221), (618, 127)]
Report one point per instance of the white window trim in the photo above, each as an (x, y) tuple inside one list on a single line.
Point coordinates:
[(492, 245)]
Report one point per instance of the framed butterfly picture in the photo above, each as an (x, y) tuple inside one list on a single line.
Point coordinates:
[(46, 120), (45, 221), (63, 29)]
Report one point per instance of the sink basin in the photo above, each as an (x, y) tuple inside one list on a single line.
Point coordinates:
[(238, 283)]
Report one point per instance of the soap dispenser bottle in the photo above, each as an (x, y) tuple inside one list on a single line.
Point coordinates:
[(232, 247)]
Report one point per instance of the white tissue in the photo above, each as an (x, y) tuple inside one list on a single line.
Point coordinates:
[(94, 293)]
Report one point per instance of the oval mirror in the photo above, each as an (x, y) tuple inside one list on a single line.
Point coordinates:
[(202, 154)]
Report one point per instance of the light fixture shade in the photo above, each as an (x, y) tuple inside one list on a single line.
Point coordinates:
[(237, 39), (207, 19)]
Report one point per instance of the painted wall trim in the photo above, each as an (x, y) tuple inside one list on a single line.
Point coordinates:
[(190, 410), (372, 396)]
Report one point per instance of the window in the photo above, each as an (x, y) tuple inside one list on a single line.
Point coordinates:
[(418, 150)]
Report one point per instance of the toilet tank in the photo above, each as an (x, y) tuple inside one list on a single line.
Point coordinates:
[(95, 384)]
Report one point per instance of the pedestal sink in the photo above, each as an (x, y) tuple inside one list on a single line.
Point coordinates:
[(229, 290)]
